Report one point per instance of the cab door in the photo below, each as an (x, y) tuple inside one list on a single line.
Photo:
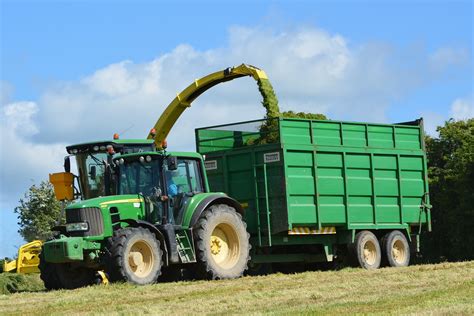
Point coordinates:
[(182, 184)]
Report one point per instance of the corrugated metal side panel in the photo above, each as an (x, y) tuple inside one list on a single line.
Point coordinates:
[(353, 188), (358, 135)]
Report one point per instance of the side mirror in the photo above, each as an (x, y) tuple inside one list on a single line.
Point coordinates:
[(67, 164), (172, 162), (93, 172)]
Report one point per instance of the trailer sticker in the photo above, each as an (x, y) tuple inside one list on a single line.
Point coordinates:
[(271, 157), (210, 165)]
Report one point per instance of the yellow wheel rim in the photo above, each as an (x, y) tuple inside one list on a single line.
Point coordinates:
[(399, 252), (224, 246), (370, 252), (141, 259)]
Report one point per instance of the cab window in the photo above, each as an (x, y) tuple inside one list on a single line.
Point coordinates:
[(186, 178)]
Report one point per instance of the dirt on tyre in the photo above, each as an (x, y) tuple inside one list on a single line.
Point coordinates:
[(48, 274), (365, 251), (222, 243), (134, 256), (396, 249)]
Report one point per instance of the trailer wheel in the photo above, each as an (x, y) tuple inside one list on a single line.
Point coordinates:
[(396, 249), (48, 274), (366, 250), (222, 243), (134, 256)]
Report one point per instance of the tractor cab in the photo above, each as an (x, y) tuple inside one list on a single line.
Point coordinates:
[(166, 181), (93, 161)]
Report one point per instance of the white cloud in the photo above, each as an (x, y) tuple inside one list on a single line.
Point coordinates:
[(431, 122), (6, 91), (23, 161), (445, 57), (312, 70), (18, 117), (462, 108)]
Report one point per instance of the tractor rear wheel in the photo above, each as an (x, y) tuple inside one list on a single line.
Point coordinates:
[(365, 251), (48, 274), (396, 249), (135, 256), (222, 243)]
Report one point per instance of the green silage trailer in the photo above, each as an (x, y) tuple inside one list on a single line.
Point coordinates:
[(312, 189)]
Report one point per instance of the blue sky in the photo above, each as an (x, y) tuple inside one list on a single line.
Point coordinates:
[(68, 67)]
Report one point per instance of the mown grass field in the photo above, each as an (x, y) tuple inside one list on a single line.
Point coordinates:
[(426, 289)]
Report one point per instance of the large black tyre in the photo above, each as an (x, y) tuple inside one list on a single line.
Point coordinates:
[(396, 249), (48, 274), (365, 251), (134, 255), (222, 243), (57, 276), (71, 276)]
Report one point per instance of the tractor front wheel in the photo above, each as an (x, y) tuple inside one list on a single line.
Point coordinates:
[(135, 256), (222, 243), (48, 274), (73, 277)]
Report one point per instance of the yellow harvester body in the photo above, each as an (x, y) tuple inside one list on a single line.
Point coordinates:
[(28, 259)]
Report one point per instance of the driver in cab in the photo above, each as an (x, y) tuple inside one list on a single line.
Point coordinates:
[(171, 186)]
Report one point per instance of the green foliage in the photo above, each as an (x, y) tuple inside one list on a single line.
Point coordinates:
[(269, 129), (270, 101), (451, 178), (38, 212), (303, 115), (14, 283)]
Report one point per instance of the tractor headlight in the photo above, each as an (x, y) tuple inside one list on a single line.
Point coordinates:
[(74, 227)]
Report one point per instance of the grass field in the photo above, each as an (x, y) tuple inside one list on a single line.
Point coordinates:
[(426, 289)]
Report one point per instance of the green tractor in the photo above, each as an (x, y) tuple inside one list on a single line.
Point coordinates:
[(144, 211), (162, 215)]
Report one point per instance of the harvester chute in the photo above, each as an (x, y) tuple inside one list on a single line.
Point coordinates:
[(184, 99)]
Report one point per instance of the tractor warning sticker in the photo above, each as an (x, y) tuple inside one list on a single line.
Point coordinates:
[(210, 165), (271, 157)]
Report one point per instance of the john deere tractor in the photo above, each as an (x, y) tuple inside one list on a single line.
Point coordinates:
[(163, 215), (146, 209)]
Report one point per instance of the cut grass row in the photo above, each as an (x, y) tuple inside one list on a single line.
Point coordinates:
[(426, 289), (14, 283)]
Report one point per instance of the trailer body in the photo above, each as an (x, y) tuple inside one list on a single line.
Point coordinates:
[(318, 181)]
